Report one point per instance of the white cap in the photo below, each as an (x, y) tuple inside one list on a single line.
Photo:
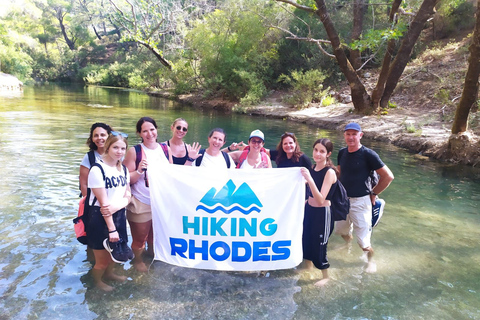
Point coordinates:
[(257, 133)]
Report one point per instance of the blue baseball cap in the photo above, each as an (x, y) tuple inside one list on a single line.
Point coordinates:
[(353, 126)]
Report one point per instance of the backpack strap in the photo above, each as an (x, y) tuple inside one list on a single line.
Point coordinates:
[(200, 158), (138, 153), (243, 156), (227, 158), (91, 157), (89, 191)]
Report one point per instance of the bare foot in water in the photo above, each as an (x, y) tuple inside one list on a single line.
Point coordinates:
[(371, 267), (322, 282), (104, 287), (115, 277), (140, 266)]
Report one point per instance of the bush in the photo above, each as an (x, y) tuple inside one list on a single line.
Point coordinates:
[(16, 62), (306, 86)]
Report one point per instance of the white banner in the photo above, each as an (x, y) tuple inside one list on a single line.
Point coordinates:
[(245, 220)]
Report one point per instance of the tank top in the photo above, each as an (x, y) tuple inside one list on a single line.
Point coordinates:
[(182, 160), (139, 190), (318, 177)]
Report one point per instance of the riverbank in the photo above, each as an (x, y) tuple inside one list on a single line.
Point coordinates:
[(422, 113)]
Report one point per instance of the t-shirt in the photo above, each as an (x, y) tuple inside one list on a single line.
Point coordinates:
[(115, 182), (216, 162), (303, 161), (86, 162), (355, 168), (139, 190)]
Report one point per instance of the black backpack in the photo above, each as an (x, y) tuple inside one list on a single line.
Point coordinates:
[(340, 204), (202, 152)]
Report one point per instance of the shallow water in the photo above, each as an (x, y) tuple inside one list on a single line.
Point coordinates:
[(426, 244)]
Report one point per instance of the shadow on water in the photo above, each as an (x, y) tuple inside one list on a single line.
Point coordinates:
[(426, 244)]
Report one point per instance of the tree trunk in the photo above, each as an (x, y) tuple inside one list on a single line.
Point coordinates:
[(70, 43), (157, 54), (470, 89), (358, 13), (382, 78), (403, 55), (96, 32), (360, 97)]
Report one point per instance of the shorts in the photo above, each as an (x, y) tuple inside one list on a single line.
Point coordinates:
[(359, 219), (138, 211), (317, 228), (97, 229)]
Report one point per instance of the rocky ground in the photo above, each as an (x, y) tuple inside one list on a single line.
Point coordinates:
[(425, 101)]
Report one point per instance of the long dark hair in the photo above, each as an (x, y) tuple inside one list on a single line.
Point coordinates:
[(329, 146), (282, 154), (91, 145)]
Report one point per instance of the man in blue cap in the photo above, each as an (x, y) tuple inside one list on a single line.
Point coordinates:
[(355, 163)]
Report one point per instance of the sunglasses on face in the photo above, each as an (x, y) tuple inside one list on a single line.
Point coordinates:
[(181, 128), (118, 133), (255, 141)]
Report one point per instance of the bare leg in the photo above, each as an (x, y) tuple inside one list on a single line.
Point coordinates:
[(140, 233), (371, 265), (325, 279), (112, 276), (102, 261), (138, 260)]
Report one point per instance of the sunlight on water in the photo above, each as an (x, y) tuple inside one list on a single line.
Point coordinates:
[(426, 244)]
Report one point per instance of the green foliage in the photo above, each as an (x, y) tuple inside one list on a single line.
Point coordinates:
[(373, 39), (111, 75), (328, 100), (15, 62), (306, 86), (453, 16)]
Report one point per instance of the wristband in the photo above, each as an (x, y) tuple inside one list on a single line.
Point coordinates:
[(229, 148), (139, 172), (190, 159), (375, 194), (112, 231)]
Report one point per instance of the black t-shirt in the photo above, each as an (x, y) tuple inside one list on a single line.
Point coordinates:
[(355, 168), (303, 161)]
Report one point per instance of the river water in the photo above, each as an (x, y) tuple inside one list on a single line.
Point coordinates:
[(426, 244)]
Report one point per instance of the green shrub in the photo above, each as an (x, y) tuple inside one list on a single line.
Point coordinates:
[(16, 62), (306, 86), (328, 100)]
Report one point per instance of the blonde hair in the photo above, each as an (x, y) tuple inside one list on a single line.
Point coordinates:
[(111, 140)]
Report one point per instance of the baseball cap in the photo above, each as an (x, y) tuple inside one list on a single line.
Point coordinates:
[(257, 133), (353, 126)]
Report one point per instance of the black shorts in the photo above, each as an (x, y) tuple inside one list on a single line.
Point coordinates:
[(97, 229)]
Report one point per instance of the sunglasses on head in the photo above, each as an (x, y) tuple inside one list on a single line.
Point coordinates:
[(118, 133), (181, 128), (288, 134)]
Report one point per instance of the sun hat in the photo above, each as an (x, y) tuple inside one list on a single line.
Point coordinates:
[(353, 126), (257, 133)]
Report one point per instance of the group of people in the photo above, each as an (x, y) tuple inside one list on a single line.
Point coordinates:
[(118, 180)]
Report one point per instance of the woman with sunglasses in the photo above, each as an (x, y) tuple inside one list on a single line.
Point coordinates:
[(96, 142), (177, 146), (253, 156), (288, 153), (139, 212), (109, 182)]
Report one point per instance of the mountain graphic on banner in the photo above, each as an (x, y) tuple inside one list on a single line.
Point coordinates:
[(229, 199)]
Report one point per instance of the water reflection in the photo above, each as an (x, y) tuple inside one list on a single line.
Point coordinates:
[(426, 244)]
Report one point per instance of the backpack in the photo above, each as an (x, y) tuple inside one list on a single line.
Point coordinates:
[(339, 203), (138, 153), (244, 155), (81, 221), (202, 152)]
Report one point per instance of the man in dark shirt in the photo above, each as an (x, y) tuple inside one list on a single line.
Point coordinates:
[(355, 163)]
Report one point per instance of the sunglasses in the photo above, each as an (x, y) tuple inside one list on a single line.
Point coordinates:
[(289, 134), (256, 141), (181, 128), (118, 133)]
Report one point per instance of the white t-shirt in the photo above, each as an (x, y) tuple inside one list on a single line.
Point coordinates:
[(139, 190), (86, 161), (216, 162), (115, 182)]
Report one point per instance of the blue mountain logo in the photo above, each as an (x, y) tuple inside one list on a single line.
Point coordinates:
[(230, 199)]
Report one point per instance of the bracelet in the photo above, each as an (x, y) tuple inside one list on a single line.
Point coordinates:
[(112, 231), (229, 148), (375, 194), (190, 159)]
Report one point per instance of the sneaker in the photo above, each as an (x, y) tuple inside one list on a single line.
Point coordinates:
[(127, 250), (377, 211), (116, 250)]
